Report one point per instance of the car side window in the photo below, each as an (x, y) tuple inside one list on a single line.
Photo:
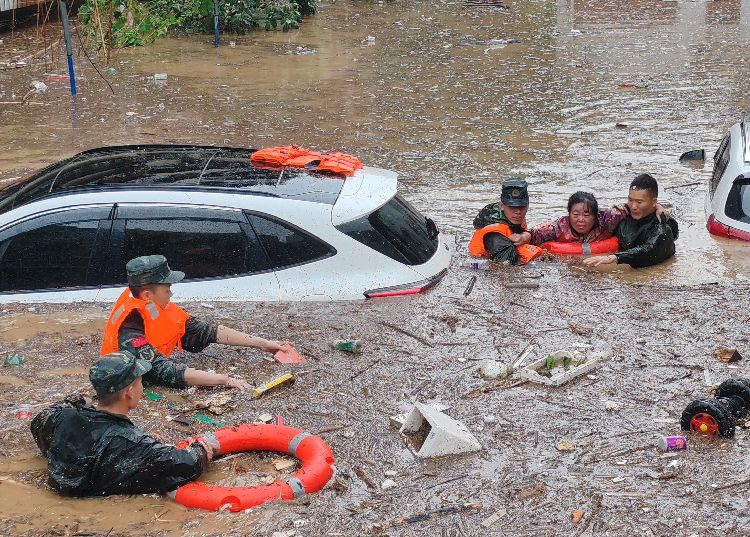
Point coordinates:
[(54, 256), (201, 248), (721, 160), (287, 245)]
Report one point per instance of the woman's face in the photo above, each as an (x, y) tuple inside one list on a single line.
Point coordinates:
[(582, 220)]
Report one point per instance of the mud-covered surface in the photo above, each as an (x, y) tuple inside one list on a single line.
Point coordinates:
[(454, 96), (661, 338)]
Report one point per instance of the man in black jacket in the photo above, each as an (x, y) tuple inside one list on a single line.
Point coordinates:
[(645, 240), (97, 451)]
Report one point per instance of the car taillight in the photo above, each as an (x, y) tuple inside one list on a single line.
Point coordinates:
[(406, 289), (717, 228)]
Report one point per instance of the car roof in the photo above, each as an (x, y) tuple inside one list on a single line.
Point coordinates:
[(190, 167)]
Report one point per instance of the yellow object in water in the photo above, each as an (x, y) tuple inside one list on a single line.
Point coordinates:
[(286, 378)]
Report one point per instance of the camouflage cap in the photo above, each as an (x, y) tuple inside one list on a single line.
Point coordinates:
[(113, 372), (515, 193), (151, 269)]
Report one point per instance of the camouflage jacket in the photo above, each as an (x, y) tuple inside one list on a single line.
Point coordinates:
[(164, 371), (560, 230), (91, 452)]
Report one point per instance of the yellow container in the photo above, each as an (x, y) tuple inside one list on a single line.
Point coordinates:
[(286, 378)]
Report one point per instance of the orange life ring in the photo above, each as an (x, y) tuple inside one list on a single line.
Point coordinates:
[(315, 455), (605, 246)]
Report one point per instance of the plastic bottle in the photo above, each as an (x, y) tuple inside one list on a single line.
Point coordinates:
[(23, 412), (477, 264), (348, 345)]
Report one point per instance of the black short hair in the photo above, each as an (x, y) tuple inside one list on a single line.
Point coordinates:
[(645, 182), (136, 290), (110, 398), (587, 198)]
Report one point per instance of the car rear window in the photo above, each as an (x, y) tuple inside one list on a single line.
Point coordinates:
[(738, 201), (397, 230), (721, 160)]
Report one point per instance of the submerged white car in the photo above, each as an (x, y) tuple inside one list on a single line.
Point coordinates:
[(728, 198), (238, 231)]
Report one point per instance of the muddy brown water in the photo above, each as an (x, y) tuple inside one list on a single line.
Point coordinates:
[(454, 96)]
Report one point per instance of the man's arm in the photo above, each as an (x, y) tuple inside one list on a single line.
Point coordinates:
[(135, 463), (659, 247), (500, 248), (230, 336)]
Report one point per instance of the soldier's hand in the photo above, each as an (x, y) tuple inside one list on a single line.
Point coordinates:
[(600, 260), (520, 238), (208, 447), (233, 382), (275, 346)]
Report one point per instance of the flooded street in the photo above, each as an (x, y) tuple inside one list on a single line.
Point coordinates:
[(454, 96)]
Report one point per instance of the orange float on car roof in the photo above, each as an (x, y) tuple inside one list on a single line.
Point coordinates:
[(299, 157), (315, 455), (605, 246)]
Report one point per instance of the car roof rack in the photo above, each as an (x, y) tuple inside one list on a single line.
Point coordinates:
[(169, 167)]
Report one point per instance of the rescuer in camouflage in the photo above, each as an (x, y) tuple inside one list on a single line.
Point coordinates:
[(97, 451)]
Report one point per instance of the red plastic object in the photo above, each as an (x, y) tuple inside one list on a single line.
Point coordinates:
[(717, 228), (289, 356), (704, 424), (626, 85), (58, 78)]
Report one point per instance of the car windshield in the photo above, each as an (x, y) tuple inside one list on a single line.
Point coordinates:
[(172, 167), (738, 200), (397, 230)]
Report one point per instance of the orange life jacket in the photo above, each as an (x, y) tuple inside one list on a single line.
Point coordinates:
[(163, 327), (299, 157), (526, 252)]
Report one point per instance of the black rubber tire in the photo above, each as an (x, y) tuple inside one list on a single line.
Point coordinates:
[(746, 381), (715, 409), (735, 388)]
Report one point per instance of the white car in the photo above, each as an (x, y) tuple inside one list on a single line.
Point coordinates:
[(238, 231), (728, 198)]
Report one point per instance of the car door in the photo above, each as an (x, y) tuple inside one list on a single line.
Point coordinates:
[(55, 256), (215, 247), (296, 256)]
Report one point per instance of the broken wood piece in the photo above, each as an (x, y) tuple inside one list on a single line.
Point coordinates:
[(422, 340), (530, 285), (365, 478), (727, 355), (470, 285)]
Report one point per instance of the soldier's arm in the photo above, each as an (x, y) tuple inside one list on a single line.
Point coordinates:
[(135, 463), (230, 336)]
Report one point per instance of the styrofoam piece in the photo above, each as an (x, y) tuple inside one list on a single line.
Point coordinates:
[(444, 435), (398, 420), (530, 372)]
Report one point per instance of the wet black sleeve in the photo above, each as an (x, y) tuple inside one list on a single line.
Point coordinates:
[(500, 248), (658, 247), (140, 465), (198, 334), (44, 424)]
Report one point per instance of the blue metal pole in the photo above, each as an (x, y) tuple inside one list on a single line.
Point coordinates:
[(68, 45), (216, 23)]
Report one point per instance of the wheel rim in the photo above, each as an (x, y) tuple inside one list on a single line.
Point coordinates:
[(703, 423)]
